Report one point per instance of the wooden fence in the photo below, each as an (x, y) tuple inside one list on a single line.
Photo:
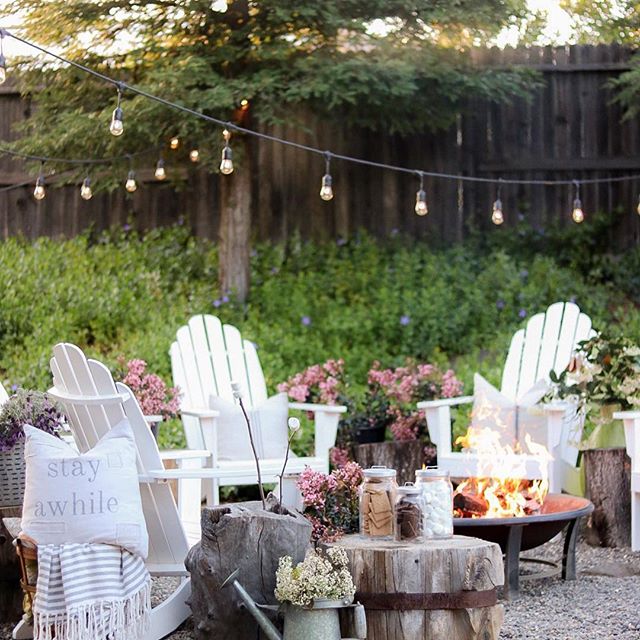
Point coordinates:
[(570, 129)]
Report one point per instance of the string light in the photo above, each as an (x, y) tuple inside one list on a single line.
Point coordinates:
[(85, 189), (130, 185), (577, 214), (638, 208), (3, 61), (160, 173), (326, 190), (226, 164), (39, 192), (421, 207), (174, 143), (194, 155), (497, 217), (117, 125)]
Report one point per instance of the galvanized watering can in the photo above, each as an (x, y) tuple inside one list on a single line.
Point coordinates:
[(322, 622)]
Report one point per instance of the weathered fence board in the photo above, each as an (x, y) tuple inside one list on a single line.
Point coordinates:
[(569, 129)]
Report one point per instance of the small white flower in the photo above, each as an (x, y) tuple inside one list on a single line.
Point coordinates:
[(237, 391), (294, 424)]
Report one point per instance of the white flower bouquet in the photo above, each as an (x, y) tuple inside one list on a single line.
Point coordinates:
[(322, 575)]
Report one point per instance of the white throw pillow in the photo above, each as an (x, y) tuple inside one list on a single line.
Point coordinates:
[(513, 420), (268, 426), (92, 497)]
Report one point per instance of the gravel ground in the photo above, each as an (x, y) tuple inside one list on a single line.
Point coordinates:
[(604, 603)]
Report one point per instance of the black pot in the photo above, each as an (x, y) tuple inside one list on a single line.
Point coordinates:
[(367, 435)]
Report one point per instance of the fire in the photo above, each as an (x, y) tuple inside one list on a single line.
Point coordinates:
[(500, 488)]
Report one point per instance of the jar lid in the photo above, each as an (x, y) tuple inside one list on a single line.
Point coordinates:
[(409, 489), (379, 472), (432, 472)]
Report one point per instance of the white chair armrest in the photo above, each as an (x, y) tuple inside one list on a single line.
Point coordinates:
[(445, 402), (555, 407), (627, 415), (200, 413), (184, 454), (326, 408)]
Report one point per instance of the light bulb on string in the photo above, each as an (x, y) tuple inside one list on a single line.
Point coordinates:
[(421, 207), (577, 214), (638, 208), (39, 192), (130, 185), (326, 188), (117, 118), (497, 217), (85, 189), (3, 61), (194, 155), (174, 143), (226, 164), (160, 173)]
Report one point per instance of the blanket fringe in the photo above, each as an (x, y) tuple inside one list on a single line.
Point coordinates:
[(121, 619)]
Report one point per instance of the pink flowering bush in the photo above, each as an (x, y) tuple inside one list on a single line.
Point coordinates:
[(393, 393), (320, 383), (331, 501), (154, 396)]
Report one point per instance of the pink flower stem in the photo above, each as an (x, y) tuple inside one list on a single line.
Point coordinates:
[(255, 454)]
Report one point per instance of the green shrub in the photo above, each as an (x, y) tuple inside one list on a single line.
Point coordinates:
[(124, 293)]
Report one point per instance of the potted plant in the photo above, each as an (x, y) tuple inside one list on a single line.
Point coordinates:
[(157, 400), (313, 591), (24, 407), (330, 501), (603, 377)]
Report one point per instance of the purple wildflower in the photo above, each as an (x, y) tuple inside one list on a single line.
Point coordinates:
[(14, 387), (181, 220), (405, 320), (126, 227), (225, 299), (217, 302), (274, 270), (500, 304), (522, 313), (341, 242), (306, 320), (524, 273)]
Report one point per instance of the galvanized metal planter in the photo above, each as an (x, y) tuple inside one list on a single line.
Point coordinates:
[(12, 476)]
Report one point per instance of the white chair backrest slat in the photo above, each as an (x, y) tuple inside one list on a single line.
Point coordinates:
[(568, 337), (75, 375), (530, 354), (550, 340), (217, 351), (4, 396), (237, 364), (255, 373), (201, 350), (190, 367), (511, 371)]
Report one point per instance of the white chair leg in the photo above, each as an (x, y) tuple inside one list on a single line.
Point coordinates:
[(22, 631), (171, 613), (635, 520)]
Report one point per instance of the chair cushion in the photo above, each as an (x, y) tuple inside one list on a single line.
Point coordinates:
[(512, 420), (268, 426), (91, 497)]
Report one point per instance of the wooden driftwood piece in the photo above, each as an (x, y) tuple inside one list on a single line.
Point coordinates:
[(439, 590), (608, 486), (240, 536), (404, 457)]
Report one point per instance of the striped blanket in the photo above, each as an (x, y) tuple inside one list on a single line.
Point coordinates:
[(90, 592)]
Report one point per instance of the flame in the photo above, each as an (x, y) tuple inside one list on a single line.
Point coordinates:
[(500, 480)]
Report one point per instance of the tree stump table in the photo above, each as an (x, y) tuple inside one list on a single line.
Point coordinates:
[(438, 590)]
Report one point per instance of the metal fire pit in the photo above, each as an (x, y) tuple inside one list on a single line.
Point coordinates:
[(527, 532)]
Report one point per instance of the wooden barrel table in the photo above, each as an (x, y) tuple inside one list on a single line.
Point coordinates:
[(437, 590)]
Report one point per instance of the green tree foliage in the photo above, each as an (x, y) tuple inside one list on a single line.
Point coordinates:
[(605, 21), (392, 65)]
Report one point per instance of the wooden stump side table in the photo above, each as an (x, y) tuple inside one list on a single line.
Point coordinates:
[(437, 590)]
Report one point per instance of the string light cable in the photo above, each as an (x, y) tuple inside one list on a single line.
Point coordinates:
[(230, 127)]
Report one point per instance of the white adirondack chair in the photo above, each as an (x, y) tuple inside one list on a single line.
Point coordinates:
[(205, 358), (631, 420), (93, 404), (4, 396), (546, 343)]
